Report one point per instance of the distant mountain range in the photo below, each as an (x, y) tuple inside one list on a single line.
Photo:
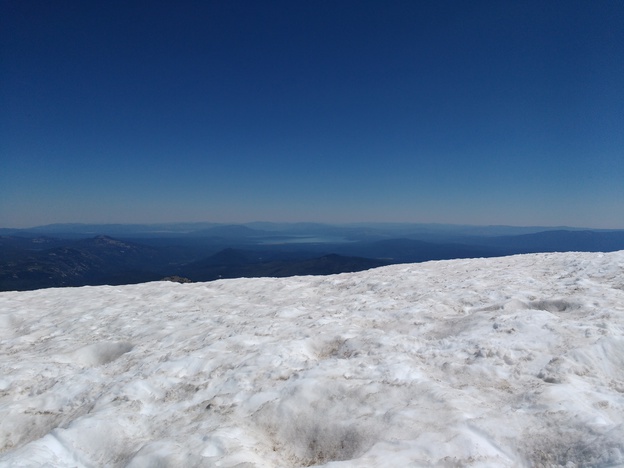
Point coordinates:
[(353, 231), (77, 255), (99, 260)]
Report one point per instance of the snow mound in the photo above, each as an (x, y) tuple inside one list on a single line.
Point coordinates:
[(96, 354), (514, 361)]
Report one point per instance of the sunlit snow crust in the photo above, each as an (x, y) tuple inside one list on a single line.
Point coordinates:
[(515, 361)]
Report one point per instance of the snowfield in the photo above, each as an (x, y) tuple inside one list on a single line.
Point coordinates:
[(506, 362)]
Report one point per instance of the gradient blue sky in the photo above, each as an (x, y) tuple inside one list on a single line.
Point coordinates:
[(465, 112)]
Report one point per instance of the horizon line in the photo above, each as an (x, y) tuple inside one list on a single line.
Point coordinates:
[(326, 223)]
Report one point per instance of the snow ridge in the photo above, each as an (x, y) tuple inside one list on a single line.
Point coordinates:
[(514, 361)]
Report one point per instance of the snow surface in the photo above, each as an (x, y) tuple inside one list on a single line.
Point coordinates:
[(515, 361)]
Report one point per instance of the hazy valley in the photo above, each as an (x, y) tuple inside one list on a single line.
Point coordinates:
[(77, 254)]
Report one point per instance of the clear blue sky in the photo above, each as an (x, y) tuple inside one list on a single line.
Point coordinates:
[(500, 112)]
